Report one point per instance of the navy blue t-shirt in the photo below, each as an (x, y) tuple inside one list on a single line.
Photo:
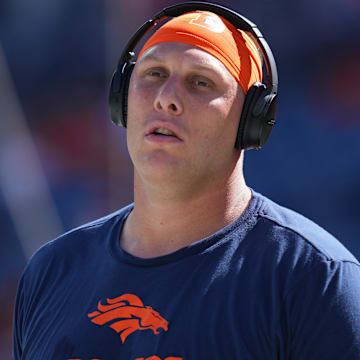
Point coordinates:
[(271, 285)]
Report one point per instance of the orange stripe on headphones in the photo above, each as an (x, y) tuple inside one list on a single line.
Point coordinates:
[(218, 37)]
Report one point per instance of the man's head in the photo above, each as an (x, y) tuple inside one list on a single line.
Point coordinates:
[(185, 99)]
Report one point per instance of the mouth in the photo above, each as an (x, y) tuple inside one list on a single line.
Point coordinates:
[(163, 135), (163, 132)]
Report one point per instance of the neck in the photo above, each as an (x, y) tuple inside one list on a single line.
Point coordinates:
[(163, 222)]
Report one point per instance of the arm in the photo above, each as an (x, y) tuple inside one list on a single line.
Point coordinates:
[(323, 313)]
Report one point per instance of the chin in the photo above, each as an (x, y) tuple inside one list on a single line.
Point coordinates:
[(158, 163), (159, 159)]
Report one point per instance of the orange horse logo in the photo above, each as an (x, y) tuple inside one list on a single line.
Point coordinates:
[(127, 314)]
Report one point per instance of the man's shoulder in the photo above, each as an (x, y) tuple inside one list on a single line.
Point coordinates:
[(96, 226), (290, 226), (80, 240)]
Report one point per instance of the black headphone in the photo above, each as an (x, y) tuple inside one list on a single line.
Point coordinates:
[(259, 109)]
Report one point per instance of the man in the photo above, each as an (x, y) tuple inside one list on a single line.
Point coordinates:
[(200, 266)]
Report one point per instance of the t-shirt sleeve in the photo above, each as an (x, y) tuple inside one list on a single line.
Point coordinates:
[(18, 322), (323, 313)]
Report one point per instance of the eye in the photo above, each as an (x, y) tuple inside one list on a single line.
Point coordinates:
[(201, 83), (155, 73)]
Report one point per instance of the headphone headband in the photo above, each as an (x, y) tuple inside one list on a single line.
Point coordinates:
[(239, 21)]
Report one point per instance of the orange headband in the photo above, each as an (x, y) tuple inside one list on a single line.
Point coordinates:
[(215, 35)]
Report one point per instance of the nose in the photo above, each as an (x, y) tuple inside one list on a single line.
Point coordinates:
[(168, 98)]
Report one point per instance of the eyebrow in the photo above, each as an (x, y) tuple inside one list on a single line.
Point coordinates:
[(153, 57)]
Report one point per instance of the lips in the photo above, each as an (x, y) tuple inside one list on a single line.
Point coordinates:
[(161, 129)]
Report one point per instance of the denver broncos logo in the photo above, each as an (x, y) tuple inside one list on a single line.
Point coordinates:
[(127, 314)]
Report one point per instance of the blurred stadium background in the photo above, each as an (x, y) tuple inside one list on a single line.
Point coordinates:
[(62, 162)]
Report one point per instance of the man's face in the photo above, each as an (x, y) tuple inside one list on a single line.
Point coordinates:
[(183, 114)]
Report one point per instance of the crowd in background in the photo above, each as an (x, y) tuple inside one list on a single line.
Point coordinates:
[(57, 58)]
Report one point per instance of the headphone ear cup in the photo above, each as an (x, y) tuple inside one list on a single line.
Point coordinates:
[(118, 95), (242, 139), (114, 99), (257, 118), (268, 117)]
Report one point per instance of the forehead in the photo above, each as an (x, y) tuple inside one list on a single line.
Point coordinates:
[(184, 54)]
